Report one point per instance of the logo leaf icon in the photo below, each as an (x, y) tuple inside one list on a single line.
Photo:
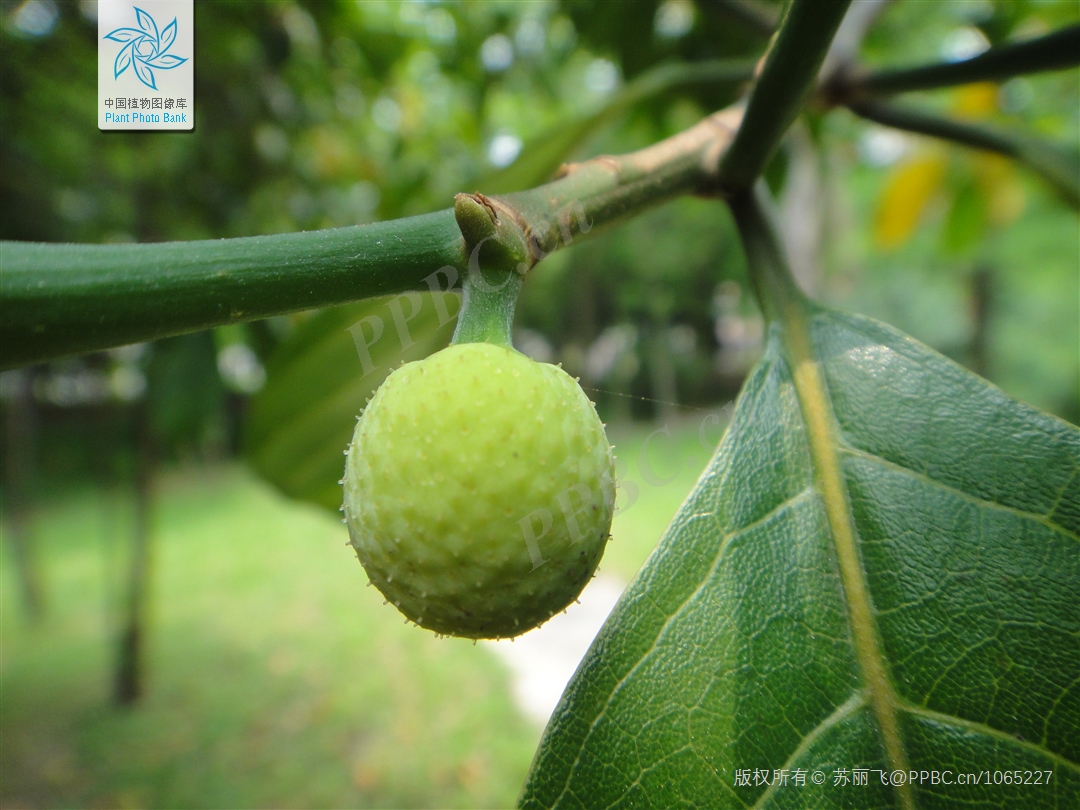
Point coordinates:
[(125, 34), (147, 24), (144, 58), (146, 76), (165, 61), (123, 59), (168, 36)]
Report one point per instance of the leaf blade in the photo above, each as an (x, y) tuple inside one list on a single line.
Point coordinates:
[(723, 669), (303, 418), (123, 61), (145, 74)]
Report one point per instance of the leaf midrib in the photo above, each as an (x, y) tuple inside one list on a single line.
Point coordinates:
[(822, 433)]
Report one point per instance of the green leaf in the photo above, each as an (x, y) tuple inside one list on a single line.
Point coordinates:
[(967, 221), (879, 569), (319, 380)]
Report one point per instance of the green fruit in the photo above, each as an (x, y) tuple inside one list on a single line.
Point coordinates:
[(479, 490)]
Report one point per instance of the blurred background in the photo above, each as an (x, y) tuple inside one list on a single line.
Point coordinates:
[(182, 623)]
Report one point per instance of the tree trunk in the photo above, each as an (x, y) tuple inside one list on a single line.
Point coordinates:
[(129, 683), (982, 302), (661, 369), (19, 472)]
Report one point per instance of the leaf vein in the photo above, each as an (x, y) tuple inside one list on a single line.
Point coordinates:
[(989, 731), (1061, 495), (654, 765), (1054, 707), (967, 496), (960, 658), (668, 620), (842, 712)]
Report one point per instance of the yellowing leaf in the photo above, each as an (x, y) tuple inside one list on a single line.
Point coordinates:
[(327, 154), (976, 100), (908, 190), (997, 178)]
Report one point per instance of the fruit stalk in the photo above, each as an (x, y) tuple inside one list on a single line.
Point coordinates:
[(497, 254), (479, 486)]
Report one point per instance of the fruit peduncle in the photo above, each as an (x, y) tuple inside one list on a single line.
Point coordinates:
[(498, 253)]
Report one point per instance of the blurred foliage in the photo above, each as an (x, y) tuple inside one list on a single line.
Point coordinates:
[(304, 417), (327, 113), (274, 680), (309, 115), (322, 114)]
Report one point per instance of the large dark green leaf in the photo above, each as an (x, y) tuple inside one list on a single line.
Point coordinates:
[(880, 569), (318, 382)]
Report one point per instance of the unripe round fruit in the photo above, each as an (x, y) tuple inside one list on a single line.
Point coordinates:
[(479, 490)]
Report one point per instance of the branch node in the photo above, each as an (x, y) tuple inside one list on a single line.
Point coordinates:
[(566, 169), (494, 225)]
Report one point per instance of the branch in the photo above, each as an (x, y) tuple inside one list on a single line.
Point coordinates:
[(1055, 51), (544, 154), (789, 72), (532, 224), (767, 265), (60, 299), (1057, 166), (57, 299)]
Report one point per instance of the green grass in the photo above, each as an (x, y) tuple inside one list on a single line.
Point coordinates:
[(274, 677), (660, 470)]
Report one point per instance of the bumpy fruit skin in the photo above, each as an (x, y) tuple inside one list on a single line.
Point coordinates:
[(456, 467)]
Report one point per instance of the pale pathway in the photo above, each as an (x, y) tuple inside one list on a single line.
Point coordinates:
[(543, 660)]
